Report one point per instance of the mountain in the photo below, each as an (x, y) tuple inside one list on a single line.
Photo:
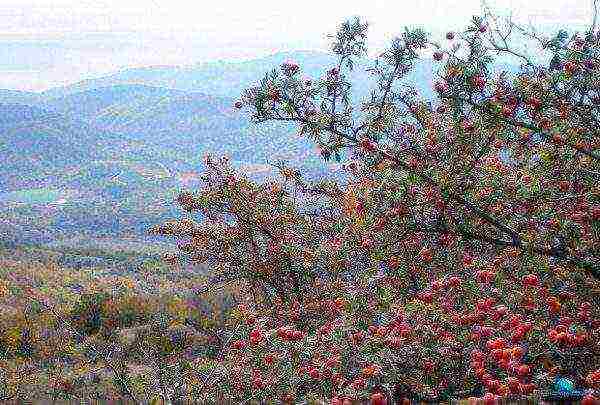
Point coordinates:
[(36, 145), (110, 161), (177, 127), (217, 78), (229, 79), (107, 156), (19, 97), (144, 111), (115, 106)]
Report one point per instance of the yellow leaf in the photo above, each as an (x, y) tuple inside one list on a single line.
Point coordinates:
[(381, 166), (545, 156), (157, 400), (350, 202)]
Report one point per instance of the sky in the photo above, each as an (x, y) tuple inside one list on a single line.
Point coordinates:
[(50, 43)]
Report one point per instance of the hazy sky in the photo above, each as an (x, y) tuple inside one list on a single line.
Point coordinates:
[(47, 43)]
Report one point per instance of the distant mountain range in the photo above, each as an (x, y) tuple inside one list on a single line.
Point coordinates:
[(218, 78), (110, 154)]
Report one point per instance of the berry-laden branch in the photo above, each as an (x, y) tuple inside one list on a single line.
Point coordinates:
[(447, 268)]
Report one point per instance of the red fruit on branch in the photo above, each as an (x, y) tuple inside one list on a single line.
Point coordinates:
[(507, 111), (545, 124), (275, 95), (269, 359), (523, 370), (449, 36), (474, 243), (589, 399), (426, 255), (557, 139), (531, 280), (368, 145), (258, 383), (478, 82), (378, 398), (337, 401), (255, 336), (563, 186), (589, 64), (570, 67), (314, 373), (490, 399), (454, 281), (440, 87), (238, 104), (534, 102), (467, 126)]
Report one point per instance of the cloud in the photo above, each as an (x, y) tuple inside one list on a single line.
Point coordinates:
[(72, 39)]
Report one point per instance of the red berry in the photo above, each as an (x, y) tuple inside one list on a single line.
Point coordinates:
[(368, 145), (450, 36), (523, 370), (570, 67), (440, 87), (534, 102), (257, 383), (238, 104), (589, 64), (489, 399), (478, 82), (438, 56), (556, 138), (269, 359), (467, 125), (378, 399), (531, 280), (275, 95), (454, 281)]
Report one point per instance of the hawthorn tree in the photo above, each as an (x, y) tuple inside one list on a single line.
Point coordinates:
[(462, 259)]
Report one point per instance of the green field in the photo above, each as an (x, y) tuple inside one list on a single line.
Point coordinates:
[(33, 196)]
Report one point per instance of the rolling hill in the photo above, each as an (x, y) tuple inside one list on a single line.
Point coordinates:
[(127, 107), (107, 156), (74, 166), (177, 127), (229, 79), (36, 144), (217, 78), (19, 97)]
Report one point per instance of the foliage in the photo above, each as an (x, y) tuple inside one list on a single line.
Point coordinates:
[(460, 261), (462, 257)]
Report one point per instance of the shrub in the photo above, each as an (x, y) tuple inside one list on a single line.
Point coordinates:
[(462, 258)]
